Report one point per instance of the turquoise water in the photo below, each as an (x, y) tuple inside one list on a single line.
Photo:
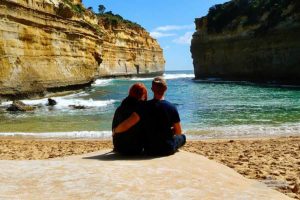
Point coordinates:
[(207, 110)]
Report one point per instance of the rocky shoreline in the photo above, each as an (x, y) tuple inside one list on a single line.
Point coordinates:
[(65, 90)]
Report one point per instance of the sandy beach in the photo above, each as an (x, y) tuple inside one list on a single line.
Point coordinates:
[(273, 161)]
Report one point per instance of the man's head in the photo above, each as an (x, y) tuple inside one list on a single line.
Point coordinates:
[(159, 86)]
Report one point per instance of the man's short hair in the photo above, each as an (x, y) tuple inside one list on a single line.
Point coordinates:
[(159, 85)]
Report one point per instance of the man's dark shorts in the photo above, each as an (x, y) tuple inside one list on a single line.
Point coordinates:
[(168, 148)]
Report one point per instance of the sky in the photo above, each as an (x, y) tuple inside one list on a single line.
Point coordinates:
[(171, 22)]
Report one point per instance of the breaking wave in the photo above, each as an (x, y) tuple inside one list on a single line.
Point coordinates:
[(167, 77), (102, 82), (58, 135), (244, 131), (65, 102)]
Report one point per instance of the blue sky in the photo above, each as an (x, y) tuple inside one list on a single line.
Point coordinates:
[(170, 21)]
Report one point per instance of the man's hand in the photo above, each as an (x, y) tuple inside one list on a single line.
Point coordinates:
[(177, 128)]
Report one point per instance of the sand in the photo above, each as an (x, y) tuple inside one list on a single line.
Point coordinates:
[(273, 161), (35, 149)]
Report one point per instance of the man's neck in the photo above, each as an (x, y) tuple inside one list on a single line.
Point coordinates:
[(159, 97)]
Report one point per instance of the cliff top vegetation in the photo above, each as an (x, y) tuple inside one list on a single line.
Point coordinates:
[(263, 14), (116, 19), (109, 18)]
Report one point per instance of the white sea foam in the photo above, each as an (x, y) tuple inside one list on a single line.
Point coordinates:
[(167, 77), (74, 135), (65, 102), (244, 131), (79, 94), (141, 79), (178, 76), (102, 82)]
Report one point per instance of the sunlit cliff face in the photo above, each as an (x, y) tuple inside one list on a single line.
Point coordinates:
[(49, 45), (76, 1)]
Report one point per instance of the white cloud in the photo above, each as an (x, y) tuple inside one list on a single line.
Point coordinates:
[(168, 30), (174, 28), (185, 39), (157, 34)]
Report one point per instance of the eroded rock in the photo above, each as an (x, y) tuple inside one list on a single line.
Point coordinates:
[(78, 107), (51, 102), (266, 50), (66, 45), (20, 106)]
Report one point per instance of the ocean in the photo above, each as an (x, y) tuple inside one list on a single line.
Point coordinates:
[(208, 109)]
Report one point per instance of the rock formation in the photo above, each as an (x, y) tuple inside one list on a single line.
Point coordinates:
[(20, 106), (51, 102), (47, 45), (249, 40)]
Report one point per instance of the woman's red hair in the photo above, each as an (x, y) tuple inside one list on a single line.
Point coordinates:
[(138, 90)]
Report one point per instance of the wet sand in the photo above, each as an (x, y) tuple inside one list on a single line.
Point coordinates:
[(274, 161)]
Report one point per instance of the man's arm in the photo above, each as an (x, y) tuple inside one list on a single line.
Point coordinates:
[(127, 124), (177, 128)]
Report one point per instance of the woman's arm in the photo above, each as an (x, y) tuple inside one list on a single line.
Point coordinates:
[(127, 124)]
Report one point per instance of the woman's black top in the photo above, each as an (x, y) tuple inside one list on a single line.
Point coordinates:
[(129, 142)]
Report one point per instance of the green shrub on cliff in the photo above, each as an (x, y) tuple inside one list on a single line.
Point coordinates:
[(77, 8), (101, 9), (67, 9), (266, 13), (114, 20)]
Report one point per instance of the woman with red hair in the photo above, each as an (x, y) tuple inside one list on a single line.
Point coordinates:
[(129, 142)]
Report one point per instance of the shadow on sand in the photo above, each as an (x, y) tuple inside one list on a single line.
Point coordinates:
[(110, 156)]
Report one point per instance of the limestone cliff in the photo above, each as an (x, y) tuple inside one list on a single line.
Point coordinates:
[(50, 44), (249, 40)]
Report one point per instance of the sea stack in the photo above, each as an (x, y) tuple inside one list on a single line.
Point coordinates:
[(249, 40), (47, 45)]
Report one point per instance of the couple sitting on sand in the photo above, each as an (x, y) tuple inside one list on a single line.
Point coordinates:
[(150, 127)]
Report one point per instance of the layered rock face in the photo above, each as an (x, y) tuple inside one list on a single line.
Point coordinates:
[(51, 44), (263, 50)]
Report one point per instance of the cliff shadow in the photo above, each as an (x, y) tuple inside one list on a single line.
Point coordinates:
[(258, 84)]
